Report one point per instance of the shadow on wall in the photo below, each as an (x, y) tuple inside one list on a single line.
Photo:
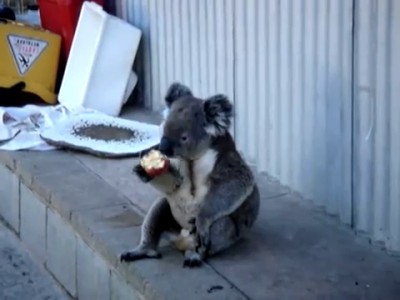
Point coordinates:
[(137, 98), (327, 165)]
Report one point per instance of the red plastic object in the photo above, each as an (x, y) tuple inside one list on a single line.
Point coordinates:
[(61, 17)]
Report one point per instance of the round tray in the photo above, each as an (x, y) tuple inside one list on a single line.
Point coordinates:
[(103, 136)]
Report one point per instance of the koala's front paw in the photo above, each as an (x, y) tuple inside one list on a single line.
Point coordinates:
[(141, 173)]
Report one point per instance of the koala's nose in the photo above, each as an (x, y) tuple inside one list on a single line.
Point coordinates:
[(166, 146)]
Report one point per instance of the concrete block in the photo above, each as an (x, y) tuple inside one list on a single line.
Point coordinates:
[(7, 159), (61, 251), (121, 290), (9, 197), (79, 190), (118, 174), (33, 223), (93, 274)]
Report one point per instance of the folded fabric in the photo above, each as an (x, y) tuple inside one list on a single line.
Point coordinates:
[(20, 127)]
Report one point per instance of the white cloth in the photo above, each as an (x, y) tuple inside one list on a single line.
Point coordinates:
[(20, 127)]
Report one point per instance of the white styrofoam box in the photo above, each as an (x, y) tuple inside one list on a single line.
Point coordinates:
[(100, 62)]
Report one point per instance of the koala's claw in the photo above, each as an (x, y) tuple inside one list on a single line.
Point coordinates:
[(192, 263), (141, 173), (130, 256)]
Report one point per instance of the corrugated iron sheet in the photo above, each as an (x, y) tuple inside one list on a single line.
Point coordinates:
[(293, 64), (377, 121), (308, 78), (137, 12), (186, 41)]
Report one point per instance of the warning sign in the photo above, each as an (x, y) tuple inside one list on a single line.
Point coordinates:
[(25, 51)]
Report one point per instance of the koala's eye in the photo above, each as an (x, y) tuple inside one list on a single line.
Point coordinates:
[(184, 138)]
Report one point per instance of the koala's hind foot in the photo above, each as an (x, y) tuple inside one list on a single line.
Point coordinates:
[(214, 236), (158, 220), (223, 233), (138, 253), (192, 259), (186, 242)]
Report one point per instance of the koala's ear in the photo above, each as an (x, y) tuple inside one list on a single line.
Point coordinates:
[(176, 91), (218, 112)]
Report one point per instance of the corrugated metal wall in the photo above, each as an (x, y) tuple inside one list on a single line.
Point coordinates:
[(191, 42), (293, 95), (377, 121), (288, 66), (137, 12)]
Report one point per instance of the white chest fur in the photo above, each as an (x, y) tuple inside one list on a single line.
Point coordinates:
[(186, 201)]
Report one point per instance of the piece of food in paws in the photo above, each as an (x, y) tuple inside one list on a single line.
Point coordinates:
[(185, 241), (154, 163)]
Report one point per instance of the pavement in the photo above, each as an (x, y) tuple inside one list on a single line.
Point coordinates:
[(21, 277), (295, 251)]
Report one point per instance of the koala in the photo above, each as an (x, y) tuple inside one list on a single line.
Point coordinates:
[(210, 197)]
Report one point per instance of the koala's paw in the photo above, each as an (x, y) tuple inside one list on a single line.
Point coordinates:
[(141, 173), (192, 259), (140, 253)]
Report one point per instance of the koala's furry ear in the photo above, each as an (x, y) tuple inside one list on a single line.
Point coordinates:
[(175, 91), (218, 112)]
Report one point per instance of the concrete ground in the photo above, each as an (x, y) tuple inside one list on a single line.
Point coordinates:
[(92, 209), (294, 251), (21, 277)]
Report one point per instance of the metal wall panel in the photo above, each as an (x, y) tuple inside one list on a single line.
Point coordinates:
[(186, 41), (377, 122), (289, 67), (137, 12), (293, 95)]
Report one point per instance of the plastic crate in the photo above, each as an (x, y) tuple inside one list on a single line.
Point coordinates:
[(61, 17)]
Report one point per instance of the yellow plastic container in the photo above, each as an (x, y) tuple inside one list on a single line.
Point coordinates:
[(30, 54)]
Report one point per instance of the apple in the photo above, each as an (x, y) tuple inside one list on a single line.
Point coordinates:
[(154, 163)]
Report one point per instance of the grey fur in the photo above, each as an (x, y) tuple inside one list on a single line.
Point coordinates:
[(218, 112), (209, 189), (176, 91)]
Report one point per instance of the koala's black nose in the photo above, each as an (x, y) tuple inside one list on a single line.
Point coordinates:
[(166, 146)]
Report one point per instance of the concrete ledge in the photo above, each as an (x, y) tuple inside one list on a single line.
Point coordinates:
[(77, 225), (9, 197), (77, 213)]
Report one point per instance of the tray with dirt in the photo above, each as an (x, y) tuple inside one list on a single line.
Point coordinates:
[(103, 136)]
